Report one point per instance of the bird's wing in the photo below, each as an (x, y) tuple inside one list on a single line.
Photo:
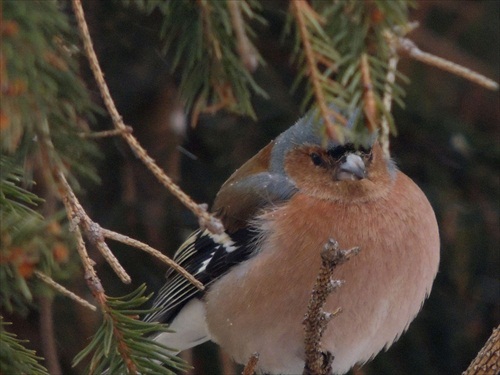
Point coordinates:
[(207, 256)]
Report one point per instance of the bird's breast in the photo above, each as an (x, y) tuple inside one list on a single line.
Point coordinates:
[(259, 306)]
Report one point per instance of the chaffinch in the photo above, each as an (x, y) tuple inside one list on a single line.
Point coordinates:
[(279, 209)]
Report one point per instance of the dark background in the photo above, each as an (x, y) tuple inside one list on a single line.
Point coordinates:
[(448, 142)]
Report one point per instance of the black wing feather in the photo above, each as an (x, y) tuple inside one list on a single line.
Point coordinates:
[(205, 255)]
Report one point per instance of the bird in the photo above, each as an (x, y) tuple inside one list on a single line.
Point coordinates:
[(279, 209)]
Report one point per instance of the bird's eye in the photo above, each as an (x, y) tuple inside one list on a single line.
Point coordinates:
[(316, 159)]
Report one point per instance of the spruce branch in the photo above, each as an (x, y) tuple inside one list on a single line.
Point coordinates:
[(119, 343), (407, 48), (16, 359), (125, 348), (148, 249), (214, 57), (387, 101), (97, 235), (206, 219), (61, 289), (316, 320), (369, 103), (106, 133), (246, 50), (308, 22)]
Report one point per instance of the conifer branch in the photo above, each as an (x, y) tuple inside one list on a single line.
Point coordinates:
[(302, 12), (245, 47), (123, 330), (206, 219), (97, 236), (387, 101), (106, 133), (16, 359), (369, 104), (148, 249), (79, 218), (406, 47), (61, 289)]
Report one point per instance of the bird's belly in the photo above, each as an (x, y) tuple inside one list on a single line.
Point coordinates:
[(260, 305)]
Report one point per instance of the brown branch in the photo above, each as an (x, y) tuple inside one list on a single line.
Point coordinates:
[(93, 281), (79, 218), (406, 47), (390, 78), (97, 235), (61, 289), (206, 219), (369, 103), (245, 48), (316, 320), (148, 249), (299, 9), (251, 365), (91, 228), (106, 133), (487, 360)]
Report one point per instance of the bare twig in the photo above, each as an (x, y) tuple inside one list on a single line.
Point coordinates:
[(93, 281), (387, 100), (106, 133), (487, 360), (245, 48), (406, 47), (251, 365), (61, 289), (91, 228), (97, 234), (369, 104), (148, 249), (206, 220), (299, 8), (316, 320)]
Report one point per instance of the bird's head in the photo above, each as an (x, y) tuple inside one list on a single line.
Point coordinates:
[(351, 171)]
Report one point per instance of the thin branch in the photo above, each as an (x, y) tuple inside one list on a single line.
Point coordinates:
[(316, 320), (251, 365), (387, 101), (369, 104), (487, 360), (91, 228), (106, 133), (299, 8), (61, 289), (97, 234), (206, 220), (406, 47), (245, 47), (148, 249), (93, 281)]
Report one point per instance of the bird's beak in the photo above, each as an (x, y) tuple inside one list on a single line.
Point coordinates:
[(352, 169)]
